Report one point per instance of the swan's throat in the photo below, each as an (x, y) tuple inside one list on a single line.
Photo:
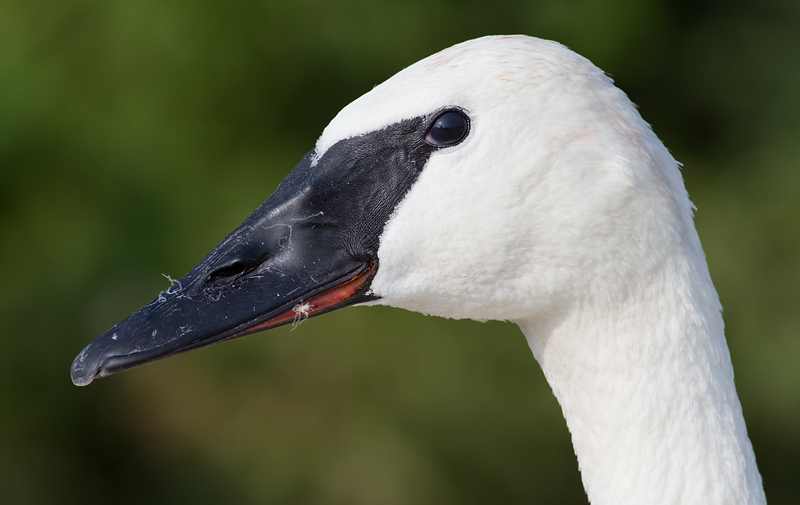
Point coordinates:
[(646, 387)]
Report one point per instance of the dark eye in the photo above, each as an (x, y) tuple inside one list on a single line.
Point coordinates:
[(448, 129)]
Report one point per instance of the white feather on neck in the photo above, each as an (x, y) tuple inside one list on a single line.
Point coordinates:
[(563, 212), (646, 387)]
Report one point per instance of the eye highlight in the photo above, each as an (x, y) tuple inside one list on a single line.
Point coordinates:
[(448, 129)]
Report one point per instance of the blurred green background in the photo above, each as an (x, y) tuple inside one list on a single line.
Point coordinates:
[(135, 134)]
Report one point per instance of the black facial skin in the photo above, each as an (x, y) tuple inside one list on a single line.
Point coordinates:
[(316, 236)]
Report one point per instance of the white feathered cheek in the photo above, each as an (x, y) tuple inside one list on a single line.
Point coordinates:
[(443, 251)]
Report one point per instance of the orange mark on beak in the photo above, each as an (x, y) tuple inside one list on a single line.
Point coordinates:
[(319, 303)]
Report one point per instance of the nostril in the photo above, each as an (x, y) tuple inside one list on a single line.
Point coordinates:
[(227, 272), (246, 254)]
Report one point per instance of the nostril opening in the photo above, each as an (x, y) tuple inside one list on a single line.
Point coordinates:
[(227, 272)]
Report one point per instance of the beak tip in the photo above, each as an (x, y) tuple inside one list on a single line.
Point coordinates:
[(79, 378), (80, 373)]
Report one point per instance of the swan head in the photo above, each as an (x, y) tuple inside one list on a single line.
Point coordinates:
[(557, 175), (501, 178)]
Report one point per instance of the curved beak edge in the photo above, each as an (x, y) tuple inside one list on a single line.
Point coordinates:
[(136, 340)]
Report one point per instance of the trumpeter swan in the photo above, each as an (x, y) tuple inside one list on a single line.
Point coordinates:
[(503, 178)]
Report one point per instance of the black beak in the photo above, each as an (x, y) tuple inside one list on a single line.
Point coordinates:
[(309, 249)]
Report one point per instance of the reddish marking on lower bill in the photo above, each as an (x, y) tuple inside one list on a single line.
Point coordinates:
[(317, 303)]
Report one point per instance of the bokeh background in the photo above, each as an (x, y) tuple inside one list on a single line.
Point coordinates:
[(135, 134)]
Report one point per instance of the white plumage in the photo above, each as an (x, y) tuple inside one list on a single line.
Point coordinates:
[(547, 201), (564, 213)]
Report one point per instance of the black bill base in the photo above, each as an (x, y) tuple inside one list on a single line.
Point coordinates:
[(312, 247)]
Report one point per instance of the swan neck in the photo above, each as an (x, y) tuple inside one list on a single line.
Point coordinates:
[(646, 386)]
